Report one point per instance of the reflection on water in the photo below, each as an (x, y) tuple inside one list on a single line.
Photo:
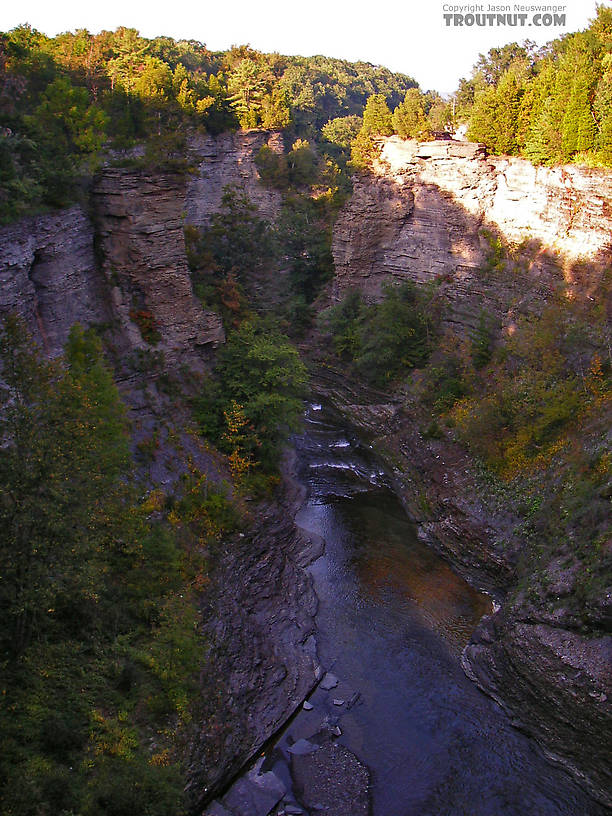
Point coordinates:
[(395, 569), (392, 620)]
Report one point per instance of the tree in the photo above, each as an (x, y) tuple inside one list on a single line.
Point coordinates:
[(64, 451), (377, 121), (246, 86), (261, 372), (377, 117), (578, 128), (342, 131), (395, 336), (306, 240), (409, 119)]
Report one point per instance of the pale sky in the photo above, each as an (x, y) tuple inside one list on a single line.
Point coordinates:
[(408, 36)]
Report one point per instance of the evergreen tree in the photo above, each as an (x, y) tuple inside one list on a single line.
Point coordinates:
[(578, 129), (409, 119), (507, 106), (63, 455), (483, 122), (377, 121)]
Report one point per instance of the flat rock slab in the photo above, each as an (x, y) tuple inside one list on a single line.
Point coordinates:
[(330, 681), (254, 795), (301, 747), (333, 780)]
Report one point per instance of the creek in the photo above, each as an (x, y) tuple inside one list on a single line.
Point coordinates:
[(392, 621)]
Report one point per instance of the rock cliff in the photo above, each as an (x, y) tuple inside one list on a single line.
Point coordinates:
[(225, 160), (439, 212), (140, 242), (49, 275), (124, 262)]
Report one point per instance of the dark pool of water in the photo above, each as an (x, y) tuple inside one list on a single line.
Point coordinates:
[(392, 620)]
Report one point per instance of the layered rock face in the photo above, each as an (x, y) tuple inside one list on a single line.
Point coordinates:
[(49, 276), (226, 160), (262, 664), (127, 264), (139, 229), (435, 212)]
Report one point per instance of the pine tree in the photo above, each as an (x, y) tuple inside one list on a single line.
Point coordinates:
[(409, 119), (377, 121)]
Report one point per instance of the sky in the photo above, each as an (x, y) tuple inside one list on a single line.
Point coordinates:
[(411, 36)]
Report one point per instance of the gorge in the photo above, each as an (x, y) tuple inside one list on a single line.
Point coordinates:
[(490, 234)]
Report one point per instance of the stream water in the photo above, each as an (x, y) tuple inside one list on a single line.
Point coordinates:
[(392, 620)]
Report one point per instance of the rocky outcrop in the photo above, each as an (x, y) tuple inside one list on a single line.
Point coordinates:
[(262, 659), (49, 276), (555, 684), (440, 213), (141, 245), (125, 269), (225, 160)]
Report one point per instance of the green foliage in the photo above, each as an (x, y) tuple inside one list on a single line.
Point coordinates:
[(344, 322), (272, 167), (261, 371), (495, 116), (238, 241), (551, 105), (445, 383), (305, 239), (377, 121), (64, 99), (525, 411), (388, 339), (342, 130), (482, 341), (100, 647), (60, 475), (409, 118), (255, 398)]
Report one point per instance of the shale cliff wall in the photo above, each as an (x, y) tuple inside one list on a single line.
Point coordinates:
[(125, 254), (49, 275), (434, 212), (226, 160)]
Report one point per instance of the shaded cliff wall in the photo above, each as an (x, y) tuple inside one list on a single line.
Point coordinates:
[(49, 276), (138, 220), (128, 254), (229, 159)]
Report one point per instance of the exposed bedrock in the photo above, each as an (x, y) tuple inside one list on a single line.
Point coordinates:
[(434, 212), (225, 160), (49, 276), (262, 660), (138, 220)]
